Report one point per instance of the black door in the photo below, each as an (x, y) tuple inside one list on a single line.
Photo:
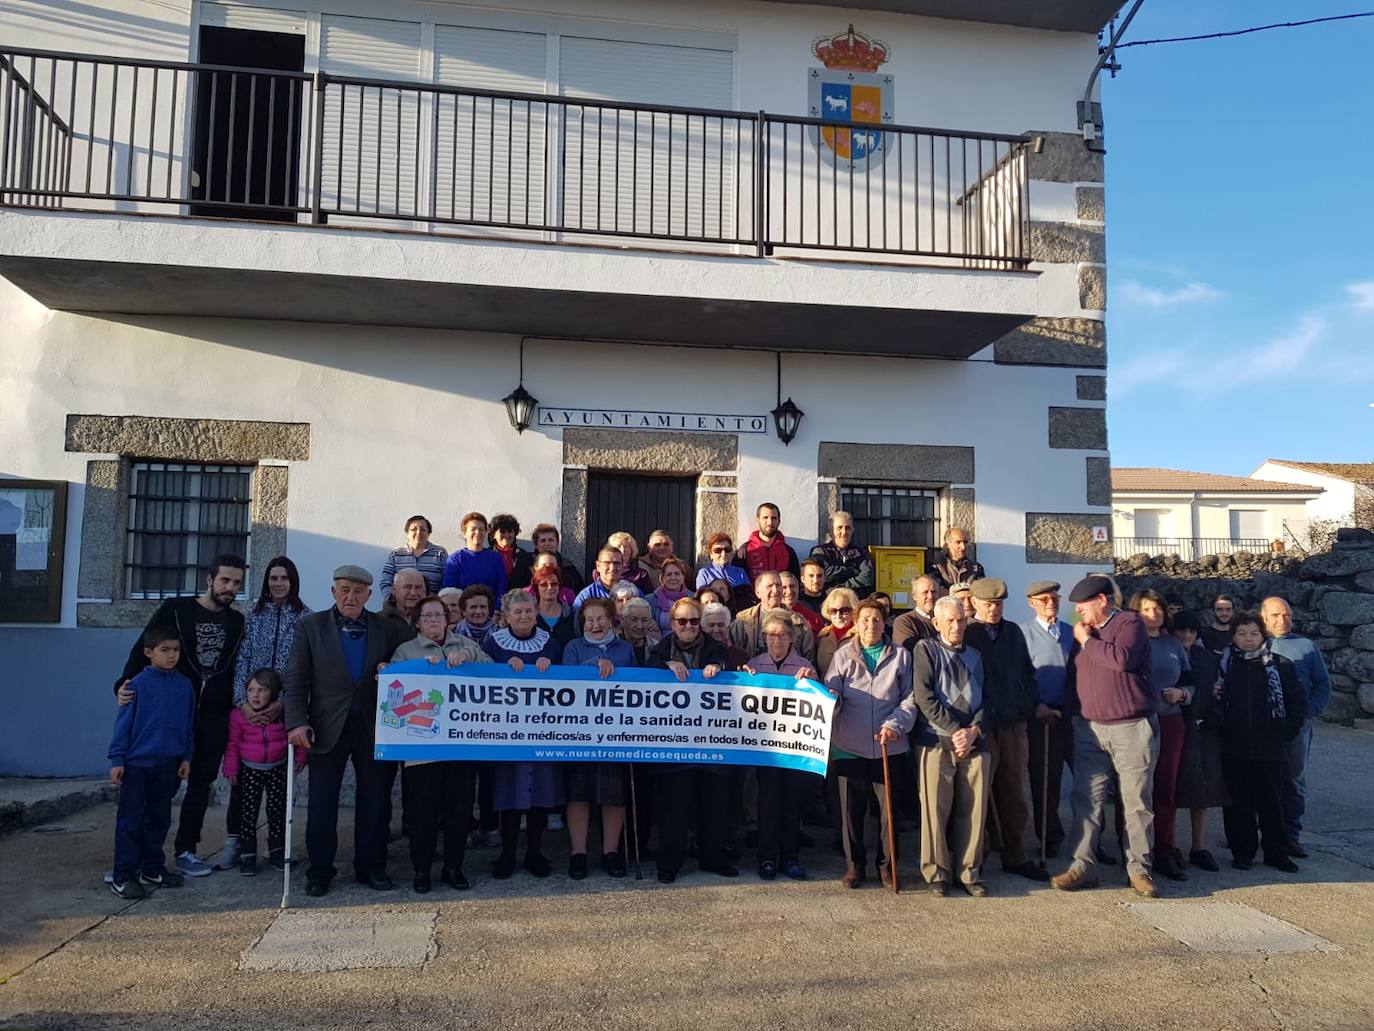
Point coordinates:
[(640, 505), (246, 148)]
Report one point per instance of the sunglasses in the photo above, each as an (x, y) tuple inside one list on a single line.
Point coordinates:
[(841, 610), (723, 550), (693, 621)]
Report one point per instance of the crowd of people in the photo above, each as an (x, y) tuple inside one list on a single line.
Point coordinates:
[(1148, 707)]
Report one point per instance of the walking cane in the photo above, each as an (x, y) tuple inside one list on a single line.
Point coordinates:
[(1045, 796), (891, 820), (290, 812), (634, 825)]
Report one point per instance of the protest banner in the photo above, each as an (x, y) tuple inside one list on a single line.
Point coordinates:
[(488, 712)]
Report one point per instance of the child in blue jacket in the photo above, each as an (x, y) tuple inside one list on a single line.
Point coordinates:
[(149, 754)]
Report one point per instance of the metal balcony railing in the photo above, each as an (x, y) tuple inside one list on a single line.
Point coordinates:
[(1190, 548), (97, 133)]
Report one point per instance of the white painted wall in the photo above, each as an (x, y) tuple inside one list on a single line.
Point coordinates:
[(1208, 516), (405, 421), (1337, 502)]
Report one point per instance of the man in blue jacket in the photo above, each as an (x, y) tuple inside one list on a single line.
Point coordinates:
[(1050, 641), (1316, 685)]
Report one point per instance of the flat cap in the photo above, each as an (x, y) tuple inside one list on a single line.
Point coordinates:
[(958, 589), (355, 573), (989, 588), (1042, 587), (1091, 587), (1186, 620)]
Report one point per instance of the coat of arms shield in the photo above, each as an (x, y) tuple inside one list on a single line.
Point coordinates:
[(850, 92)]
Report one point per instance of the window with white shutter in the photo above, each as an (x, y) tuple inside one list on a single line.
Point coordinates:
[(371, 159)]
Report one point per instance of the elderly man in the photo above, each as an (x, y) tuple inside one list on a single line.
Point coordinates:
[(1216, 633), (947, 682), (746, 632), (331, 701), (408, 589), (1050, 642), (1010, 694), (1316, 686), (659, 547), (918, 624), (610, 563), (767, 549), (1116, 730), (957, 567), (845, 563), (791, 600)]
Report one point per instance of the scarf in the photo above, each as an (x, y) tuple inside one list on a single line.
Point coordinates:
[(1273, 681), (476, 633), (600, 642), (687, 654)]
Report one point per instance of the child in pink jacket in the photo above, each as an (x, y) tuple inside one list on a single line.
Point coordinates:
[(255, 760)]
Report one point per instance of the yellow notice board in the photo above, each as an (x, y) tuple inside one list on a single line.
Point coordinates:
[(894, 570)]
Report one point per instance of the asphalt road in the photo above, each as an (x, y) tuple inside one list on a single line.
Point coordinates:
[(703, 953)]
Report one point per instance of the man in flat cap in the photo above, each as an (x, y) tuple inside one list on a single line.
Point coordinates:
[(1009, 695), (1116, 731), (1050, 641), (331, 701)]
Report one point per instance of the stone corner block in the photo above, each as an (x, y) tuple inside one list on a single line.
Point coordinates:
[(1064, 158), (1080, 342), (1082, 428), (1091, 388), (1066, 242), (1091, 202), (1092, 287), (1066, 538), (1099, 480)]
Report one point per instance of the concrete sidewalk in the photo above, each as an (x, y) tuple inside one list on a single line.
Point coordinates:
[(701, 953)]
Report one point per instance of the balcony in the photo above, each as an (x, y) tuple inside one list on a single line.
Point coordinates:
[(1189, 549), (752, 223)]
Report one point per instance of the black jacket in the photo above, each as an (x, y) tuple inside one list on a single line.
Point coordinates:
[(1010, 690), (948, 574), (713, 653), (214, 687), (522, 570), (845, 567), (567, 573), (1244, 712)]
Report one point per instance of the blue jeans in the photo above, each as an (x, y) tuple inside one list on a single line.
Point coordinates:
[(143, 818), (1295, 782)]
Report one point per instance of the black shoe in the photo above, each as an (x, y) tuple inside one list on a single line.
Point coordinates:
[(377, 881), (731, 852), (979, 890), (1243, 864), (539, 865), (422, 883), (248, 865), (667, 876), (316, 888), (577, 866), (805, 840), (455, 879), (128, 889), (613, 864), (1203, 860), (162, 879), (1282, 863), (768, 870), (724, 870), (1030, 871), (751, 839), (503, 867), (1297, 851), (1165, 864), (1104, 857), (277, 857), (938, 888)]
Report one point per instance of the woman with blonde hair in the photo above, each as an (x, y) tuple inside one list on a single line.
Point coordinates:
[(839, 609)]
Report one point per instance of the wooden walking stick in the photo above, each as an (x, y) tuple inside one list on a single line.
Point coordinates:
[(891, 820), (634, 825), (1045, 797)]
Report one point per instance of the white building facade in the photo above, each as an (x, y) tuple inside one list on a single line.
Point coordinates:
[(278, 310)]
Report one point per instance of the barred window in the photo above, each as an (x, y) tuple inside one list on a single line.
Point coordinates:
[(181, 515), (892, 515)]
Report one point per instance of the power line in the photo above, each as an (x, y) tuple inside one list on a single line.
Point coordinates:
[(1246, 32)]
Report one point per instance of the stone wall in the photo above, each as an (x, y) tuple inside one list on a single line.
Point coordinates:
[(1332, 595)]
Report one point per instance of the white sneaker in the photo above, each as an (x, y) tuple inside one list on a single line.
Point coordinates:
[(190, 866), (229, 855), (109, 877)]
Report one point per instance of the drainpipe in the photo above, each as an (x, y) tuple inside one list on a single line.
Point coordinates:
[(1087, 122)]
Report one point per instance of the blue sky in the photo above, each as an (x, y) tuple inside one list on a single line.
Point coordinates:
[(1240, 239)]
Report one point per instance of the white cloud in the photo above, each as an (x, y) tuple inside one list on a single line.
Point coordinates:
[(1361, 295), (1134, 292)]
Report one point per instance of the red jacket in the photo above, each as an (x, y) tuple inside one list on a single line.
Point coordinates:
[(251, 743), (756, 557)]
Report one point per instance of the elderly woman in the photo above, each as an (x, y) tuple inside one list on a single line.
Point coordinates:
[(780, 791), (1201, 783), (672, 575), (603, 784), (720, 551), (631, 572), (527, 789), (548, 560), (477, 604), (438, 792), (452, 598), (622, 593), (838, 609), (417, 553), (871, 681), (1172, 674), (684, 788), (554, 615), (519, 563)]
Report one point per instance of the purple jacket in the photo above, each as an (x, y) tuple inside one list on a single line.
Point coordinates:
[(1110, 673)]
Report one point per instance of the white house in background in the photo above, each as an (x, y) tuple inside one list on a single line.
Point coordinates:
[(1347, 497), (1167, 511), (273, 272)]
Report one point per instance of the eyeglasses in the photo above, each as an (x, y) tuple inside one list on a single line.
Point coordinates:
[(687, 622)]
